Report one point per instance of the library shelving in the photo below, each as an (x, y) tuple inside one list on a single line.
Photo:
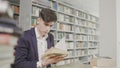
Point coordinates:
[(79, 27), (6, 51), (15, 7)]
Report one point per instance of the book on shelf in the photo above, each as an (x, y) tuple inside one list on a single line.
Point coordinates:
[(60, 17), (70, 45), (15, 9), (80, 14), (81, 37), (93, 51), (66, 18), (93, 44), (69, 36), (64, 27), (66, 10), (71, 53), (71, 19), (35, 11), (81, 52), (54, 5), (60, 49), (60, 35), (61, 7), (54, 26), (16, 17), (34, 22), (81, 44)]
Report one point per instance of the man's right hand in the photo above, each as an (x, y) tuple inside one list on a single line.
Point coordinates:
[(48, 60)]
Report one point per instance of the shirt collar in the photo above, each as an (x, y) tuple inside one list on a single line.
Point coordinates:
[(38, 36)]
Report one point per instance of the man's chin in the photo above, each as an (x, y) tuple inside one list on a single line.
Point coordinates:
[(45, 33)]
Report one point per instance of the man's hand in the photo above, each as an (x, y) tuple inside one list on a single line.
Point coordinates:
[(50, 60)]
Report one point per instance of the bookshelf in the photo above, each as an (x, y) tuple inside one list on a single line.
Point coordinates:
[(78, 26)]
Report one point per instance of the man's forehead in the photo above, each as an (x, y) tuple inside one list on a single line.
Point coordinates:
[(49, 23)]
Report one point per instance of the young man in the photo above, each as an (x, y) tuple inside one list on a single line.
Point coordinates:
[(35, 42)]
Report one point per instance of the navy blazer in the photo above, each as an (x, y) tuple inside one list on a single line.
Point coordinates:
[(26, 53)]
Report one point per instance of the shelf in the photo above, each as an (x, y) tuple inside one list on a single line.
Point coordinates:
[(80, 33), (93, 41), (16, 14), (85, 62), (66, 39), (81, 55), (33, 16), (79, 25), (65, 13), (65, 31), (14, 3), (93, 47), (66, 22), (70, 57), (39, 5), (52, 29), (81, 48), (81, 40), (70, 49)]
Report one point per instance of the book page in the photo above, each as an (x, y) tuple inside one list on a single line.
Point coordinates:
[(62, 44)]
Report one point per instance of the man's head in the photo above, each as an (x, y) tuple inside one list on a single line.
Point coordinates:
[(46, 20)]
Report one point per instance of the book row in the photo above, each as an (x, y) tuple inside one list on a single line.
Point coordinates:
[(69, 10)]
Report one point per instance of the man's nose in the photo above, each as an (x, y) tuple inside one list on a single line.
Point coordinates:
[(48, 28)]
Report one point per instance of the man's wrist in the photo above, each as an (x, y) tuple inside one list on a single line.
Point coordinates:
[(43, 64)]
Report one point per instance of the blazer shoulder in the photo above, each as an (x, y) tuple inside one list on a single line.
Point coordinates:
[(50, 35), (28, 33)]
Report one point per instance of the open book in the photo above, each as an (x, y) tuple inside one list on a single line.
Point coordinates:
[(60, 49)]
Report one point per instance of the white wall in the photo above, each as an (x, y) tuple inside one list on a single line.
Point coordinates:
[(108, 28), (118, 32)]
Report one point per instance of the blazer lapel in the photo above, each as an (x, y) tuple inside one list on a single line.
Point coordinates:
[(34, 41), (48, 42)]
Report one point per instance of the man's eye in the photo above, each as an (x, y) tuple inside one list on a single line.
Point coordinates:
[(46, 25), (50, 25)]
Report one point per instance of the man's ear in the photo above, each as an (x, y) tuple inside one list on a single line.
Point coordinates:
[(38, 20)]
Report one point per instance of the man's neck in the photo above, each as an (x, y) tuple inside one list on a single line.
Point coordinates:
[(40, 33)]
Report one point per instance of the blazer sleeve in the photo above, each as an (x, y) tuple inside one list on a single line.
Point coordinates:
[(21, 53)]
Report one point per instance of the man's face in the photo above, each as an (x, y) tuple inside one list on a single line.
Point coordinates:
[(44, 27)]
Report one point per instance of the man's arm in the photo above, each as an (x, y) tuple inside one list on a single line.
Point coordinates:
[(21, 54)]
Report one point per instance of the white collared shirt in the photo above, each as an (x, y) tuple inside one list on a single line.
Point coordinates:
[(41, 45)]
